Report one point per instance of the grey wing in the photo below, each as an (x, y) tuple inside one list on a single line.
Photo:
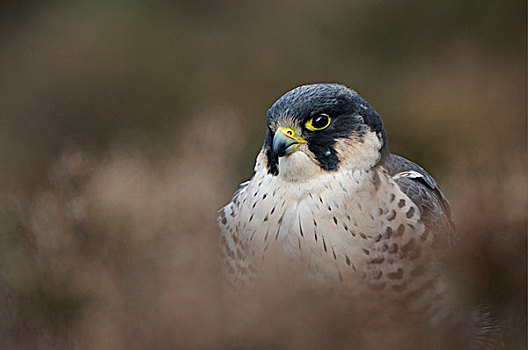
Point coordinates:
[(422, 189), (236, 265)]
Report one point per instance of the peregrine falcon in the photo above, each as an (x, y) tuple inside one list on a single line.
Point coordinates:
[(328, 195)]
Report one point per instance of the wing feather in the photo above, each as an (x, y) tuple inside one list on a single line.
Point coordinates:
[(422, 189), (235, 252)]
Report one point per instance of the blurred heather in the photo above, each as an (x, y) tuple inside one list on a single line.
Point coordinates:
[(125, 126)]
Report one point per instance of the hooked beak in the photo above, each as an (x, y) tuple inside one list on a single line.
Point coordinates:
[(285, 142)]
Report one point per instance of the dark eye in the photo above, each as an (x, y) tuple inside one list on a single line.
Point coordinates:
[(318, 122)]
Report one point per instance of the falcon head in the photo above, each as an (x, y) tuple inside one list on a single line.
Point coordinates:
[(322, 128)]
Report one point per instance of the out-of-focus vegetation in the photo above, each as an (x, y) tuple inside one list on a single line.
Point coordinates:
[(125, 125)]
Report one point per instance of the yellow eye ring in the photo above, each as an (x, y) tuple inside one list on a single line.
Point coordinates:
[(319, 122)]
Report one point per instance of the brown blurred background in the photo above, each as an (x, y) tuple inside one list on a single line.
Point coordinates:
[(125, 126)]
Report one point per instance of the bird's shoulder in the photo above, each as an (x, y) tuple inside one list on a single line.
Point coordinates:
[(423, 190)]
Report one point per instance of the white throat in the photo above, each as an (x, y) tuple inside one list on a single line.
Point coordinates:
[(297, 166)]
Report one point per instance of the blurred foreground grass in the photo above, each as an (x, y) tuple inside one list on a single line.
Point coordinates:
[(125, 127)]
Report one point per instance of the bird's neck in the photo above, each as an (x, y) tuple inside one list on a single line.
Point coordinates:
[(355, 154), (298, 167)]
